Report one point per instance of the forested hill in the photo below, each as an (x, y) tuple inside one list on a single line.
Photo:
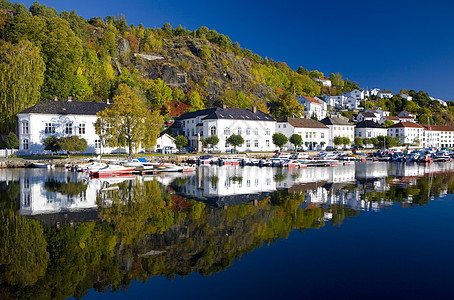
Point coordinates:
[(44, 54)]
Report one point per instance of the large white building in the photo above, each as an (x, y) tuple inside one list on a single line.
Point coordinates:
[(324, 82), (407, 133), (356, 94), (338, 127), (369, 129), (313, 133), (313, 107), (60, 119), (439, 136), (256, 128)]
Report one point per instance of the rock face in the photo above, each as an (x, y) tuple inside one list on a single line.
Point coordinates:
[(184, 67)]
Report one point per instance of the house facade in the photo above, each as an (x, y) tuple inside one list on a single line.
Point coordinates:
[(407, 133), (164, 140), (356, 94), (60, 119), (384, 94), (313, 107), (324, 82), (439, 136), (338, 127), (256, 128), (367, 116), (315, 134), (369, 129)]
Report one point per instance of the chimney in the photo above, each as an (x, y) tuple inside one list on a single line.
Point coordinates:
[(70, 98), (107, 101), (254, 109), (55, 99), (224, 106)]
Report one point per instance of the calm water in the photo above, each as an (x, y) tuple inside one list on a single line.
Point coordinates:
[(364, 231)]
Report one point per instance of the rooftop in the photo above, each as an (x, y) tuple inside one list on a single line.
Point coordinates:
[(406, 124), (63, 107), (304, 123), (227, 113), (367, 114), (437, 127), (368, 124), (334, 121), (311, 99)]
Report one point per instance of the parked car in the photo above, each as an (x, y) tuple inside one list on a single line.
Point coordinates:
[(170, 150), (331, 148)]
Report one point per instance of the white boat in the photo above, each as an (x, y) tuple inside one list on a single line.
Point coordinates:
[(43, 165), (112, 170), (134, 162)]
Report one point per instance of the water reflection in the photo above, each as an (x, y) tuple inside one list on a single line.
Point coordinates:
[(177, 224)]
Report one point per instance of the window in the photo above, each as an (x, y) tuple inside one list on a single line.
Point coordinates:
[(256, 143), (284, 126), (98, 144), (226, 131), (192, 131), (322, 135), (49, 128), (248, 131), (267, 131), (248, 143), (69, 128), (213, 130), (81, 128), (267, 143), (256, 131), (240, 132), (25, 144), (25, 127)]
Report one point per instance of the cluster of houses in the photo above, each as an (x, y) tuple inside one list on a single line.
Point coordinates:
[(62, 118)]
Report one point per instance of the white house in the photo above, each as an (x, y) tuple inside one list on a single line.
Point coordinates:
[(313, 106), (369, 129), (60, 119), (374, 91), (406, 97), (314, 134), (439, 136), (335, 101), (439, 101), (384, 94), (164, 140), (367, 116), (407, 133), (356, 94), (406, 114), (256, 127), (324, 82), (351, 103), (338, 127)]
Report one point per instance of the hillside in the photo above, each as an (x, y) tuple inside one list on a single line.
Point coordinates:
[(44, 54)]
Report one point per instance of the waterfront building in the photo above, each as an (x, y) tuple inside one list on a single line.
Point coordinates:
[(60, 119), (369, 129), (256, 128), (314, 133), (439, 136), (407, 133), (338, 127)]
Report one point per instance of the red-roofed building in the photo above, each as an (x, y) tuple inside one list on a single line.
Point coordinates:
[(313, 107), (439, 136), (408, 133)]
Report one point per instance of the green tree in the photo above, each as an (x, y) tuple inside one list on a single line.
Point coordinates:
[(358, 141), (346, 141), (157, 93), (21, 78), (235, 140), (286, 106), (212, 140), (50, 143), (388, 123), (243, 101), (386, 141), (11, 141), (181, 141), (128, 122), (338, 140), (71, 144), (296, 140), (279, 139), (195, 101)]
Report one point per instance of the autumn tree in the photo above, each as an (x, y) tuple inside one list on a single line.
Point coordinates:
[(181, 141), (128, 121), (286, 106), (157, 92), (21, 78)]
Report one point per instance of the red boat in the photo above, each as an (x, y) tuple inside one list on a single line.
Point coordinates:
[(112, 170)]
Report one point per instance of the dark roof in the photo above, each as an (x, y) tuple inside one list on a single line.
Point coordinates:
[(367, 114), (60, 107), (304, 123), (334, 121), (238, 114), (437, 127), (368, 124), (195, 114)]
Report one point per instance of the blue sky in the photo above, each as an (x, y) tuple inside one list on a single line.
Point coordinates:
[(385, 44)]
